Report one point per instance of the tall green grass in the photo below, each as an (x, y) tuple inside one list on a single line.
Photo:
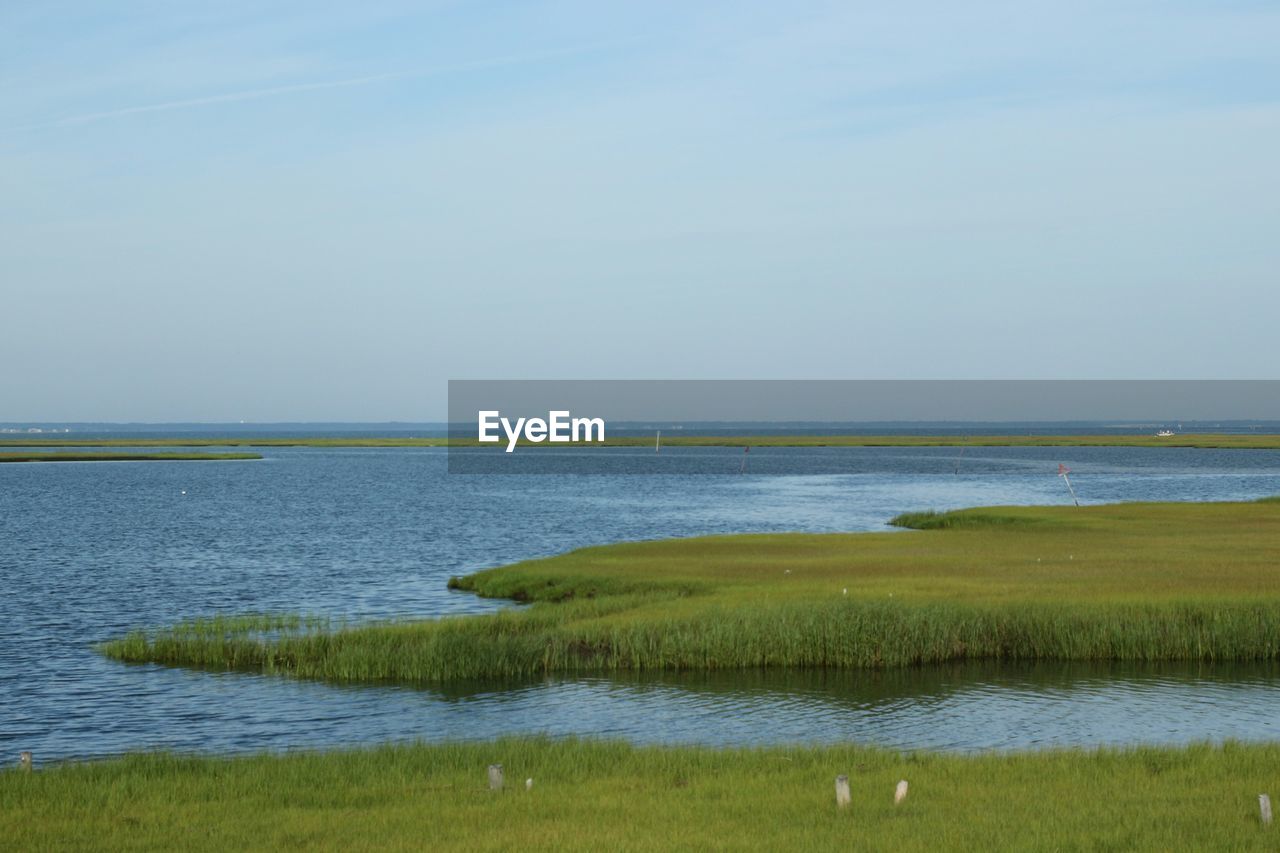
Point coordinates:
[(1143, 582), (933, 520), (589, 795), (835, 634)]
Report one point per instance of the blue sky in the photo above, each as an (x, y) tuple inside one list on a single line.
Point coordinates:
[(309, 211)]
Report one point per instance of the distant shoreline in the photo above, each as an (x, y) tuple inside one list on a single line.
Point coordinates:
[(1206, 441)]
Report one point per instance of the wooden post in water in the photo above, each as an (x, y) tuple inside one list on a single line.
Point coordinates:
[(495, 777), (24, 760), (1264, 806), (900, 792), (842, 791)]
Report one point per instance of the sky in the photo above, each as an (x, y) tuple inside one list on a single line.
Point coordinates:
[(324, 211)]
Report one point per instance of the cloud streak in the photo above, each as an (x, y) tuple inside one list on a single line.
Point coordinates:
[(226, 98), (297, 88)]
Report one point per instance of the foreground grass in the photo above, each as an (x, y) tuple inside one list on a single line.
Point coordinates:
[(1206, 441), (122, 457), (1143, 582), (609, 796)]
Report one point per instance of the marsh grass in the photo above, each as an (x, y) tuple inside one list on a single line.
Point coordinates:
[(591, 795), (1141, 582), (227, 441), (932, 520)]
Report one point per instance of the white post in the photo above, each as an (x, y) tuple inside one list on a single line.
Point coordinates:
[(495, 777), (528, 784), (900, 792), (842, 791), (1264, 806), (24, 760)]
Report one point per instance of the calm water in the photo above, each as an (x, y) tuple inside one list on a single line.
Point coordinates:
[(89, 550)]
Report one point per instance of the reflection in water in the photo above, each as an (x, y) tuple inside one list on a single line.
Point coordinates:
[(959, 707), (975, 705)]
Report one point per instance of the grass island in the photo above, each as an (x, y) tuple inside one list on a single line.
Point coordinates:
[(1139, 581)]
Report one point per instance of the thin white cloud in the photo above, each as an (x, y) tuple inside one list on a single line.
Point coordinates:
[(229, 97), (277, 91)]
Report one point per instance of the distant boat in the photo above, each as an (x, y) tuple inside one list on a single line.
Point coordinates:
[(1164, 433)]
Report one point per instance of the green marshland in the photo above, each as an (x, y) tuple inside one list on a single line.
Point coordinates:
[(1141, 582), (589, 795)]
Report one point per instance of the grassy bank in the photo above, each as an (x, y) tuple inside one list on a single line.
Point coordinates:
[(608, 796), (67, 456), (226, 441), (1174, 581), (1208, 441)]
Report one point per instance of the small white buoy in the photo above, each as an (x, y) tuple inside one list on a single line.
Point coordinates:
[(184, 491)]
